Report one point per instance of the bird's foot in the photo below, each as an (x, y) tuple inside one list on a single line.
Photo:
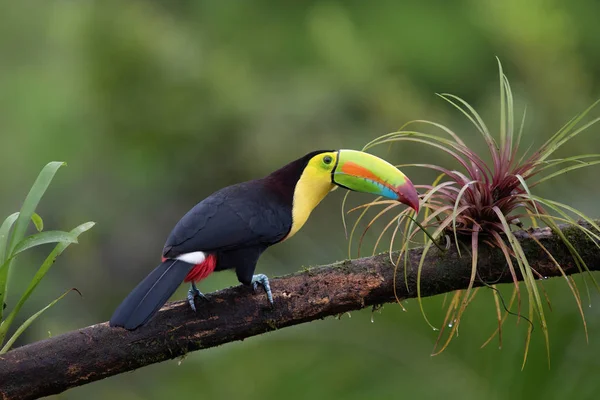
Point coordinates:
[(192, 294), (261, 279)]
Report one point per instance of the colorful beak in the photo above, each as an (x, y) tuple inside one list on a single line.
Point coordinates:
[(364, 172)]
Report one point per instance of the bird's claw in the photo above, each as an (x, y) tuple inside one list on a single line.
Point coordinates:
[(262, 280), (192, 294)]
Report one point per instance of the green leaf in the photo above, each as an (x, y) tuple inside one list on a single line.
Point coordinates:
[(524, 184), (22, 220), (436, 234), (502, 107), (455, 213), (4, 233), (565, 170), (510, 114), (43, 238), (37, 221), (362, 214), (520, 134), (528, 280), (30, 320), (32, 200), (580, 159), (4, 264), (39, 275), (555, 141), (474, 116)]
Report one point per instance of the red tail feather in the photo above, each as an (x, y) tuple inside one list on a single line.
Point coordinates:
[(202, 270)]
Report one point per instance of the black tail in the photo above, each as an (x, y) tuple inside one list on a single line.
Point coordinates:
[(150, 294)]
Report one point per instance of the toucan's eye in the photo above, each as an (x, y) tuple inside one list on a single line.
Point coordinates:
[(327, 160)]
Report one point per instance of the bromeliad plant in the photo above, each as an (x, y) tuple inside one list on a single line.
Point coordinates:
[(13, 243), (484, 203)]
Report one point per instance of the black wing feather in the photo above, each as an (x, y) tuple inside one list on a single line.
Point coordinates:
[(242, 215)]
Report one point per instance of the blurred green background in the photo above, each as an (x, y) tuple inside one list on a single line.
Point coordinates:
[(156, 104)]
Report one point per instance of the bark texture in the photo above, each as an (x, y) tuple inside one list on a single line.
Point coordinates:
[(89, 354)]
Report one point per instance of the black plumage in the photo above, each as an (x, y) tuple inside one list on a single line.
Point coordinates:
[(240, 216), (235, 225), (150, 294)]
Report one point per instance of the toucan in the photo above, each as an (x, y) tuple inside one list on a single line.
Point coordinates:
[(232, 227)]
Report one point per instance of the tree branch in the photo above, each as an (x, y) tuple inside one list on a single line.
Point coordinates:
[(75, 358)]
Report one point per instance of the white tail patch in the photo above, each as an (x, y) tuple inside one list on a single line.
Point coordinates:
[(197, 257)]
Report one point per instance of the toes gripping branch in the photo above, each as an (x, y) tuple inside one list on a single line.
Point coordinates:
[(192, 294), (261, 279)]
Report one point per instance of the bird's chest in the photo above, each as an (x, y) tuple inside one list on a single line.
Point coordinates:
[(267, 220), (307, 195)]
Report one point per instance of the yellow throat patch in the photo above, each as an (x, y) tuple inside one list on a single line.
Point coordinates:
[(312, 187)]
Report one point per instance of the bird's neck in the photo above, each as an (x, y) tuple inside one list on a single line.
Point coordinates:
[(283, 181), (308, 193), (295, 186)]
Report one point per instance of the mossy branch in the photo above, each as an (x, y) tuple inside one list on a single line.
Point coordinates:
[(75, 358)]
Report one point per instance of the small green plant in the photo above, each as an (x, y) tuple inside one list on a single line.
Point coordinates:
[(13, 242), (483, 202)]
